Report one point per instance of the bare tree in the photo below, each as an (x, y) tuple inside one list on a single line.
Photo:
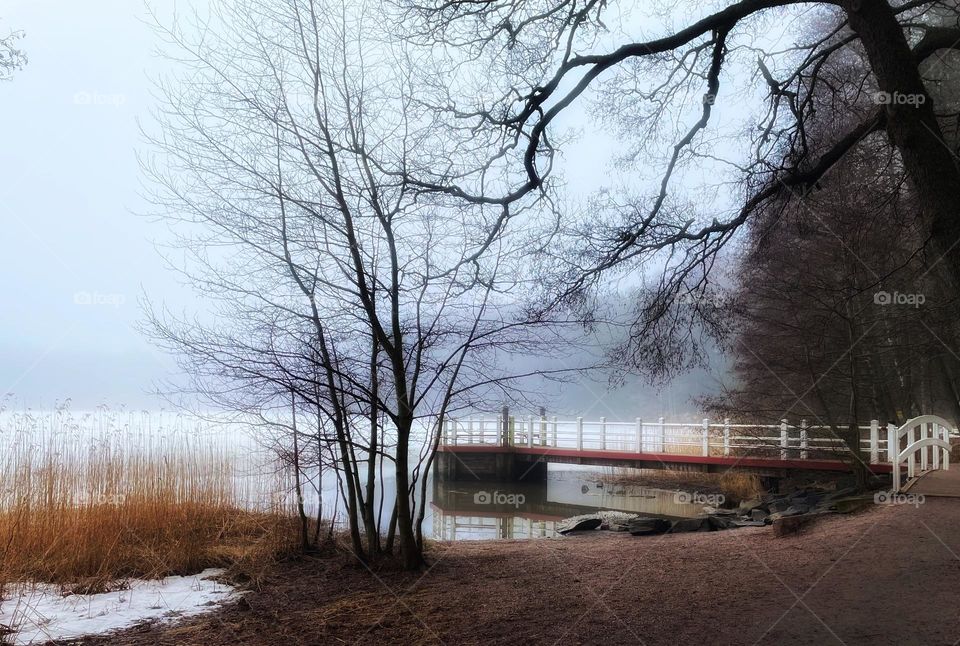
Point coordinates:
[(377, 306), (662, 93), (838, 319), (12, 59)]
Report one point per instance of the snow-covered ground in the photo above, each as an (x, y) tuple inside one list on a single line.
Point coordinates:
[(40, 612)]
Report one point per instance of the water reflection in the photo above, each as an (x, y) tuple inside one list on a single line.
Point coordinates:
[(488, 510)]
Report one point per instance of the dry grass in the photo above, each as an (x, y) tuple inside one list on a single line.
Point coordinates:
[(740, 486), (735, 486), (83, 507), (95, 545)]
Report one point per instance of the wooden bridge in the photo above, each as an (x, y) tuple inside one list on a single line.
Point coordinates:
[(516, 448)]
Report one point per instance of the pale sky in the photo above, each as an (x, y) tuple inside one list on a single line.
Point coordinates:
[(77, 258), (69, 188)]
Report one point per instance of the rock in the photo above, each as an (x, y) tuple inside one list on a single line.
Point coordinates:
[(748, 506), (701, 524), (758, 515), (642, 526), (616, 521), (806, 498), (746, 523), (721, 522), (714, 511), (796, 510), (778, 505), (841, 493), (579, 524), (848, 505), (617, 527), (788, 525)]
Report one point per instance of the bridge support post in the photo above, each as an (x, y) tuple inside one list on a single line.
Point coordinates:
[(544, 440), (924, 430), (874, 441), (912, 460), (663, 437), (706, 437), (530, 431), (893, 449), (726, 437), (946, 453), (555, 431), (784, 439), (891, 441), (935, 432), (505, 426), (603, 433), (639, 431), (579, 433), (488, 467), (804, 440)]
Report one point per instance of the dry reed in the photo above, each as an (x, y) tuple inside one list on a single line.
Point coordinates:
[(84, 503), (740, 486)]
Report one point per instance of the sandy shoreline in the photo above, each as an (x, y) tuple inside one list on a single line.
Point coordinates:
[(885, 575)]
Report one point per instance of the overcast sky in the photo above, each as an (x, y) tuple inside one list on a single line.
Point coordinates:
[(77, 258)]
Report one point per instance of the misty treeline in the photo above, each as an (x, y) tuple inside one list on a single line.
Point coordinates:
[(374, 201), (841, 309)]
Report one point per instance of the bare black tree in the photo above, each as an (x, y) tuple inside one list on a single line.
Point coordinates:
[(340, 291), (662, 88)]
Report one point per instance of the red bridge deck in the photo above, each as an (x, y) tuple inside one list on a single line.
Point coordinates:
[(653, 460)]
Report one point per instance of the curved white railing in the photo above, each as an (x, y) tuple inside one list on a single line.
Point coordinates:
[(928, 435)]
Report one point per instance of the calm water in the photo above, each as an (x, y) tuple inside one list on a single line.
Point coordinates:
[(499, 510), (455, 510)]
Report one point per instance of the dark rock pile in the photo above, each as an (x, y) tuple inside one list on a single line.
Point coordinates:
[(788, 513)]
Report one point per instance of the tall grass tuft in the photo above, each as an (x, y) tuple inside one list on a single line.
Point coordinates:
[(740, 486), (85, 501)]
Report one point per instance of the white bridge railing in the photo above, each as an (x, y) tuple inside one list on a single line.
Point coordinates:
[(926, 437), (785, 441)]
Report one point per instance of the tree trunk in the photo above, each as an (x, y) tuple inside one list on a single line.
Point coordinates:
[(913, 127), (371, 522), (391, 531), (298, 485), (411, 557)]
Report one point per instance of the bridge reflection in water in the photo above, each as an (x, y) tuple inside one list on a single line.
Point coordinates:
[(501, 510)]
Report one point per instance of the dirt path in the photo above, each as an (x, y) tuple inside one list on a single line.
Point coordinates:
[(937, 483), (890, 575)]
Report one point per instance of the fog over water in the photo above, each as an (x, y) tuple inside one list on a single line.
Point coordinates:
[(80, 254)]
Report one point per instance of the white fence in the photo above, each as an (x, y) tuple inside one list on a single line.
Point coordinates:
[(785, 441)]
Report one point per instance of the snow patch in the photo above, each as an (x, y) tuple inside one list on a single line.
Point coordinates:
[(39, 613)]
